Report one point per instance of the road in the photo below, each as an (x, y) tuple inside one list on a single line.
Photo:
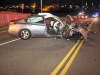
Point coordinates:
[(50, 56)]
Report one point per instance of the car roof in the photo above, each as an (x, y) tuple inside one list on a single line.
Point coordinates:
[(35, 15), (45, 15)]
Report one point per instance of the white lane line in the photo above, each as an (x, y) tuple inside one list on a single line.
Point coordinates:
[(3, 31), (9, 41)]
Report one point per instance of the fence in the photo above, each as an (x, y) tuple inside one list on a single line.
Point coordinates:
[(6, 17)]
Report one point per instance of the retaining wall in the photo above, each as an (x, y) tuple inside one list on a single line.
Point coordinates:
[(6, 17)]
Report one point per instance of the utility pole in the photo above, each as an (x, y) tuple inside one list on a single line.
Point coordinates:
[(57, 2), (22, 6), (82, 5), (41, 6)]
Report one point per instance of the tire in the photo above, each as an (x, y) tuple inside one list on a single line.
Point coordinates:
[(24, 34), (65, 32)]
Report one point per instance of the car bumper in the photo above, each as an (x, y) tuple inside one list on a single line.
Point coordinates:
[(12, 31)]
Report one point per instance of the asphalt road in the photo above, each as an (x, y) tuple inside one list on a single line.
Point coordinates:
[(50, 56)]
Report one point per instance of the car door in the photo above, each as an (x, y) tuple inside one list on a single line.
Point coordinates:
[(37, 25)]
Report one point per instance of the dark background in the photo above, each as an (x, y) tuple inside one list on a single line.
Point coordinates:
[(48, 2)]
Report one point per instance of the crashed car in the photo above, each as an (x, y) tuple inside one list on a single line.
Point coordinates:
[(71, 29), (42, 24)]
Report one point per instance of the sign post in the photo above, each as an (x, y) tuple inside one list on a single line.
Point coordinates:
[(41, 6), (22, 6)]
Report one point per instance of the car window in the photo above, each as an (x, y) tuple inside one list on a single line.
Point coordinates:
[(35, 20)]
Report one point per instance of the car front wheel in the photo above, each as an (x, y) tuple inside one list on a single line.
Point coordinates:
[(24, 34), (65, 32)]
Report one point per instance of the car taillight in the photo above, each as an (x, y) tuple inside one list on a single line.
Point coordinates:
[(12, 23)]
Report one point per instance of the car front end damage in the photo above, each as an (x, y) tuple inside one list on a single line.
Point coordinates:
[(82, 31)]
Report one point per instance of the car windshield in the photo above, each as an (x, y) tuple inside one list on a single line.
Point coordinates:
[(63, 21)]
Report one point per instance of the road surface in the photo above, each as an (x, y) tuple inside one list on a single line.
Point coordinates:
[(50, 56)]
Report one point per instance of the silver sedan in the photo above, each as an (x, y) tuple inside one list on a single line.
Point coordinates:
[(42, 24)]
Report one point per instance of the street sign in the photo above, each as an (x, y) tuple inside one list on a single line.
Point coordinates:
[(22, 6)]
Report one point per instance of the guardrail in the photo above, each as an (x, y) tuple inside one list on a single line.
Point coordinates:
[(6, 17)]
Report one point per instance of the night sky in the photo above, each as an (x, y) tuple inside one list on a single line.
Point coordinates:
[(48, 2)]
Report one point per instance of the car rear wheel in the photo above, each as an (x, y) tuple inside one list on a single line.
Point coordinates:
[(24, 34)]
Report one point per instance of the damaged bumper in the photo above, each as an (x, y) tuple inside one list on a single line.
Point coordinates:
[(82, 31)]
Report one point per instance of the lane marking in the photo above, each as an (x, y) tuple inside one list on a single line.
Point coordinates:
[(71, 59), (3, 31), (65, 59), (9, 41), (77, 46), (89, 27)]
